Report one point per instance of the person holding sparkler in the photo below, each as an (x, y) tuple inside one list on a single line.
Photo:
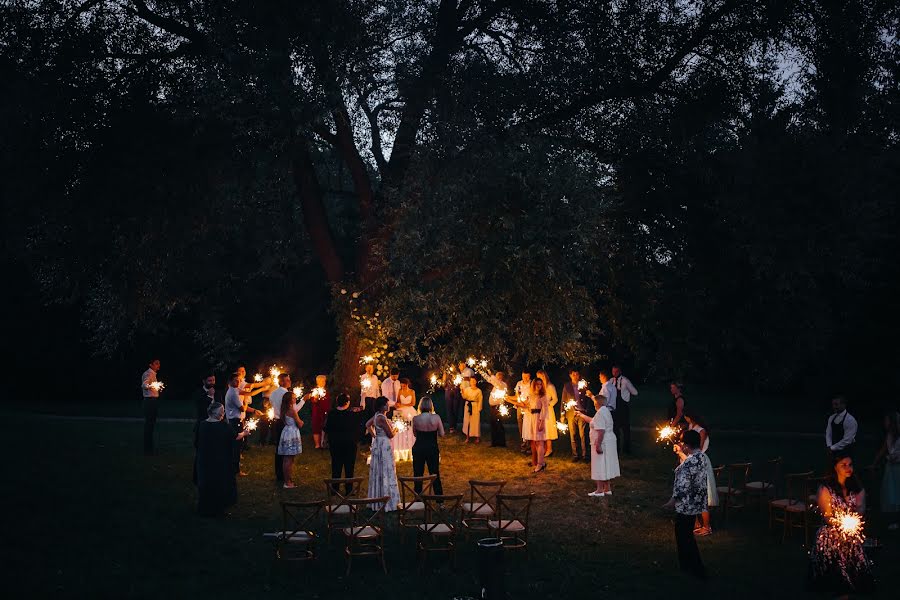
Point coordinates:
[(534, 426), (216, 485), (497, 399), (234, 413), (604, 457), (321, 404), (552, 400), (344, 427), (405, 410), (290, 443), (838, 563), (572, 397), (472, 412), (369, 389), (284, 385), (150, 391), (689, 499), (702, 526)]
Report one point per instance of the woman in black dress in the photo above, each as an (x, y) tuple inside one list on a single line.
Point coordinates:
[(427, 426), (216, 485)]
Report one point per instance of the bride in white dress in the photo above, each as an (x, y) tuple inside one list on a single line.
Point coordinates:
[(405, 409)]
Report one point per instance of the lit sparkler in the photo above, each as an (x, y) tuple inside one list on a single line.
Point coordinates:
[(433, 380), (570, 405), (274, 371), (270, 414), (582, 384), (252, 424), (457, 381), (365, 384), (157, 386), (503, 409), (666, 434), (366, 359), (483, 364), (470, 361), (298, 391), (849, 524), (258, 378), (318, 392), (562, 427)]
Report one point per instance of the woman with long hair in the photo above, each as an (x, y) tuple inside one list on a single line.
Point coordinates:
[(290, 444), (534, 427), (382, 472), (426, 427), (553, 400)]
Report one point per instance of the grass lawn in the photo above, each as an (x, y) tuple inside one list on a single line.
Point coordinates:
[(90, 516)]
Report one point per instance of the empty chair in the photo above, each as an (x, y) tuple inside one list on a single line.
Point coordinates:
[(440, 528), (297, 540), (511, 522), (767, 487), (337, 508), (790, 510), (365, 535), (733, 495), (480, 507), (411, 510)]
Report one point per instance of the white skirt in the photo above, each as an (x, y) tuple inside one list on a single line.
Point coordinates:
[(604, 466)]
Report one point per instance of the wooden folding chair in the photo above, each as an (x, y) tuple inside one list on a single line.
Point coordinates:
[(439, 530), (411, 510), (365, 535), (480, 508), (297, 530), (767, 487), (812, 516), (734, 495), (791, 509), (511, 524), (337, 508)]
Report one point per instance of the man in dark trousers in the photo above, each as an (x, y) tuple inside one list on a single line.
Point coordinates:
[(284, 383), (201, 400), (689, 499), (150, 392), (343, 428)]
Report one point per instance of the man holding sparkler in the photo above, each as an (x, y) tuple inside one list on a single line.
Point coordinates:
[(626, 391), (572, 396), (284, 383), (390, 389), (150, 391), (369, 388)]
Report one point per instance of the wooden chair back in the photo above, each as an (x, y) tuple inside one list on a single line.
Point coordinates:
[(511, 523), (365, 535), (481, 504), (298, 519), (338, 510)]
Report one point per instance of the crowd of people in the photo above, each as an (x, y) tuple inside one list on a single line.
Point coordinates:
[(397, 427)]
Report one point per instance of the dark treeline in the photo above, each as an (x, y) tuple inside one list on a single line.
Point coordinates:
[(705, 191)]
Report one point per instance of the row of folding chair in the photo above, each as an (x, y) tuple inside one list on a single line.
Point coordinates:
[(436, 519)]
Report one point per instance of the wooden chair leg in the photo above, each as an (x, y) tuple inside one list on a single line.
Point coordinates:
[(381, 555)]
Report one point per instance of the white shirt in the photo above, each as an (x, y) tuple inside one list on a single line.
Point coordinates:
[(275, 398), (523, 391), (147, 378), (372, 391), (608, 391), (390, 389), (624, 388), (850, 427), (234, 406)]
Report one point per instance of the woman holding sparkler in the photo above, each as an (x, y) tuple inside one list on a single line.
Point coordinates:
[(216, 485), (604, 456), (290, 444), (553, 400), (702, 526), (472, 411), (405, 410), (890, 481), (497, 399), (321, 404), (838, 563), (534, 425), (382, 472)]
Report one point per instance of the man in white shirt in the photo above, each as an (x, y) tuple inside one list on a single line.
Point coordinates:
[(234, 414), (150, 403), (390, 388), (277, 395), (369, 386), (625, 391), (523, 391), (840, 431)]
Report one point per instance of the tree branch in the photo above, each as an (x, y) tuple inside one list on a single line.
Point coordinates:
[(165, 23), (375, 130)]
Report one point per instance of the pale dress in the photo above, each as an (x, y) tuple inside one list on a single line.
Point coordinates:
[(403, 441), (530, 420), (472, 421), (604, 466), (551, 431), (382, 473), (711, 491), (290, 443)]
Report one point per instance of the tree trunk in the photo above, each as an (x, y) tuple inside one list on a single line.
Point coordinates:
[(346, 365)]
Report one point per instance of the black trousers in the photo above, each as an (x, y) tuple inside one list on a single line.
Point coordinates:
[(151, 409), (343, 460), (498, 432), (688, 553), (430, 456), (237, 426), (454, 404), (277, 428), (622, 425)]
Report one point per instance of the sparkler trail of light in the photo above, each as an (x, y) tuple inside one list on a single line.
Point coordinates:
[(582, 384), (252, 424), (258, 378), (666, 434), (318, 392)]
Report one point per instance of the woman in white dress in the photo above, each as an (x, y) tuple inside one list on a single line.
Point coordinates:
[(696, 423), (290, 444), (534, 427), (604, 456), (382, 473), (553, 399), (472, 410), (405, 409)]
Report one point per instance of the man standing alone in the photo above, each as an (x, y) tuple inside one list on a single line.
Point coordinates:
[(625, 391), (150, 393)]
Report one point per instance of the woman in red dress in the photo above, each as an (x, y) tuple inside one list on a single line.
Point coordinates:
[(321, 404)]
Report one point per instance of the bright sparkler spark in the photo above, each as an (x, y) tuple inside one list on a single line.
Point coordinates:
[(849, 524), (458, 380), (470, 361), (582, 384), (270, 414), (274, 371), (252, 424), (503, 409), (318, 392), (562, 427), (483, 364), (367, 359), (433, 380), (665, 433), (258, 378), (365, 384), (298, 391), (157, 386), (400, 425), (570, 405)]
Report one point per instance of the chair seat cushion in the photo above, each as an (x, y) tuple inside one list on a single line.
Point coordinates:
[(338, 509), (758, 486), (364, 531), (438, 529), (301, 537), (477, 508), (413, 507), (514, 525), (797, 507), (724, 489), (785, 502)]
